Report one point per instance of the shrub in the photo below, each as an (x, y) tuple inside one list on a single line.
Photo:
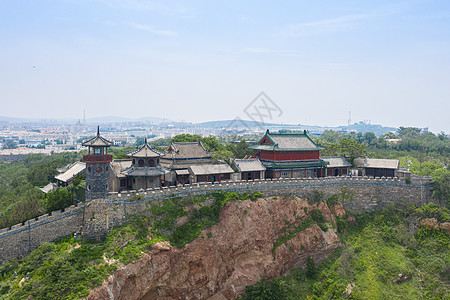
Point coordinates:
[(311, 270), (265, 290)]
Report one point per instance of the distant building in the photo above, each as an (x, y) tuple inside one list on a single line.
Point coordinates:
[(337, 166), (290, 155), (374, 167)]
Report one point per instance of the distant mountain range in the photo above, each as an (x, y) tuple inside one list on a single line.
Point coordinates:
[(226, 125), (98, 120), (115, 119)]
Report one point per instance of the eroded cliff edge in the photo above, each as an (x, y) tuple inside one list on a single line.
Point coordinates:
[(253, 238)]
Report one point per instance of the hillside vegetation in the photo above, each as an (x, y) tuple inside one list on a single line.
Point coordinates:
[(69, 268), (386, 255)]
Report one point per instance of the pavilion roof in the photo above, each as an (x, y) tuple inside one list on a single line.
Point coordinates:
[(97, 141), (286, 142), (134, 171), (145, 151)]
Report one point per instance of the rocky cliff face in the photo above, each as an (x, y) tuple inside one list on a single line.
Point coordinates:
[(235, 253)]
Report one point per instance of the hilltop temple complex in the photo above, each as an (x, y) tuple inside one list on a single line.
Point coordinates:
[(276, 155)]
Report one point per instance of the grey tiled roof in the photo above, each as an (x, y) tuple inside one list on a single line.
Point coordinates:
[(365, 162), (117, 166), (187, 150), (182, 172), (210, 169), (336, 162), (249, 165), (49, 187), (134, 171), (97, 141), (73, 171)]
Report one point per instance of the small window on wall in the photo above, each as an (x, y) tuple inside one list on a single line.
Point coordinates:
[(284, 174), (89, 187), (97, 151), (141, 162), (89, 169), (151, 162)]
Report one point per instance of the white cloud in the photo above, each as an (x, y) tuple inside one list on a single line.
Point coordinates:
[(151, 29), (324, 26), (268, 51)]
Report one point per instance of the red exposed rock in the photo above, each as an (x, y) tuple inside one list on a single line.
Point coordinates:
[(446, 226), (238, 254), (430, 223), (338, 210)]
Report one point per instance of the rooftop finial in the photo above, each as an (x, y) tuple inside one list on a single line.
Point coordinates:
[(98, 130), (145, 141)]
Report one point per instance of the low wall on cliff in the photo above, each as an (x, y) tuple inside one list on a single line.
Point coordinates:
[(21, 239), (99, 216), (358, 194)]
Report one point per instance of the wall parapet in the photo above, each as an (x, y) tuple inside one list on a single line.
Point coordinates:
[(99, 216)]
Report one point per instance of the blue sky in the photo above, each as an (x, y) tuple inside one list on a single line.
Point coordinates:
[(385, 61)]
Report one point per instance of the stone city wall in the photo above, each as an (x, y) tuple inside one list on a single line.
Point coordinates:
[(99, 216), (21, 239)]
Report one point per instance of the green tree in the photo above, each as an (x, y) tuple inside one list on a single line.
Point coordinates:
[(403, 131), (368, 137), (265, 290), (58, 199), (9, 144), (311, 270), (331, 136), (212, 144), (240, 150), (351, 149), (441, 186), (186, 138)]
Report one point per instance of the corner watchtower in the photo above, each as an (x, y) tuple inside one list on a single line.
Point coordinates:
[(97, 166)]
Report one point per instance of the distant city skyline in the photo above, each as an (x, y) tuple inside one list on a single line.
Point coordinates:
[(197, 61)]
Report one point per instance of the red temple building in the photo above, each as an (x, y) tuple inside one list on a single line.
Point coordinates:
[(292, 155)]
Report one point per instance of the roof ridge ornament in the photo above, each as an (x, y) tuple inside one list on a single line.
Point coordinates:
[(98, 130)]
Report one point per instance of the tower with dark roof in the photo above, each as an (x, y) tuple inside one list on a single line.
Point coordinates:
[(97, 167), (145, 171)]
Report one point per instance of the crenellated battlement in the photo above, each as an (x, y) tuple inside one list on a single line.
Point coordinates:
[(97, 217)]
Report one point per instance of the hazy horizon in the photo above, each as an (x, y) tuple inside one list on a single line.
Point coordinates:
[(386, 62)]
